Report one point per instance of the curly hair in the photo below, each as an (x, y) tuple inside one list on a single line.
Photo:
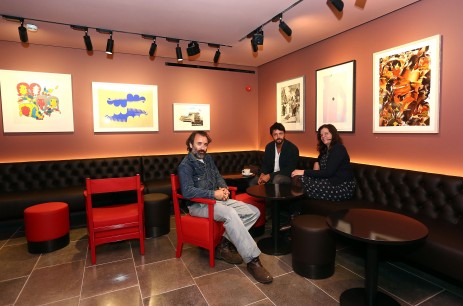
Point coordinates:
[(336, 138), (277, 126), (191, 138)]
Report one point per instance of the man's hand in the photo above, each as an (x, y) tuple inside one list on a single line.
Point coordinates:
[(222, 194), (263, 179)]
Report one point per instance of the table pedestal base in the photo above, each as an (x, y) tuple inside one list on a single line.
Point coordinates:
[(267, 246), (357, 297)]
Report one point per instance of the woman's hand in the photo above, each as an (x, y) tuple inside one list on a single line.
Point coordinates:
[(297, 172), (316, 166)]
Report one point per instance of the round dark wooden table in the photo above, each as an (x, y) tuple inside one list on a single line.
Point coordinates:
[(274, 194), (374, 228)]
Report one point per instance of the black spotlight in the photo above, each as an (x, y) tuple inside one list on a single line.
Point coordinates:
[(110, 44), (255, 48), (217, 56), (338, 4), (178, 50), (88, 42), (153, 48), (285, 28), (193, 48), (258, 37), (22, 32)]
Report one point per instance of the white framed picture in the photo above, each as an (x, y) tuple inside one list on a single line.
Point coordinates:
[(125, 107), (406, 88), (191, 117), (290, 104), (36, 102)]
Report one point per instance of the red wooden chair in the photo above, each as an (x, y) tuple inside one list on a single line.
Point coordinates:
[(203, 232), (117, 221)]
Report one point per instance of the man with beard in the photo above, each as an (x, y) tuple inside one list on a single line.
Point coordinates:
[(200, 178), (280, 158)]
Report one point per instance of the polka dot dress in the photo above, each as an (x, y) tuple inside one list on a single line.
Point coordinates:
[(323, 189)]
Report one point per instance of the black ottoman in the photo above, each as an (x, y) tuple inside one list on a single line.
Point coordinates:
[(313, 247), (157, 214)]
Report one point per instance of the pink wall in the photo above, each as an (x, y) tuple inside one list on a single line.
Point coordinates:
[(224, 91), (438, 153)]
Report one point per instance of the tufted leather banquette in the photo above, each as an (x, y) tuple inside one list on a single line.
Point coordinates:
[(23, 184), (434, 199)]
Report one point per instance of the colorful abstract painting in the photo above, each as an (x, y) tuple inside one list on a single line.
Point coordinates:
[(36, 102), (125, 107), (406, 86)]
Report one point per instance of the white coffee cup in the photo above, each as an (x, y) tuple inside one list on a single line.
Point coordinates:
[(246, 171)]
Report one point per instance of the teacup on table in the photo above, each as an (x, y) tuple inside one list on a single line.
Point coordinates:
[(246, 172)]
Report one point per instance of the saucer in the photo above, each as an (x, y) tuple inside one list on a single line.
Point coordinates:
[(248, 175)]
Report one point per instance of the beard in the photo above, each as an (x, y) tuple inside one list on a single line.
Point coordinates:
[(199, 154), (279, 141)]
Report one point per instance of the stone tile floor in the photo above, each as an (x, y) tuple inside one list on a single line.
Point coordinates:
[(123, 277)]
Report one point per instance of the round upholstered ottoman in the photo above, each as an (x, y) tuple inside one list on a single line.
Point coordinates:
[(313, 247), (47, 227), (157, 214), (258, 228)]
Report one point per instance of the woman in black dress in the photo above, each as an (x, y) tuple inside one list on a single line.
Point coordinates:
[(332, 177)]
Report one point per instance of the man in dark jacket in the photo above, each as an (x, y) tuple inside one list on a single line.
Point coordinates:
[(280, 158)]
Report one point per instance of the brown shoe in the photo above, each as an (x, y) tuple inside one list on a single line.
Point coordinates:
[(227, 252), (259, 272)]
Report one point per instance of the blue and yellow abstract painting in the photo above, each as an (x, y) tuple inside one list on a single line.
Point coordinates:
[(124, 107)]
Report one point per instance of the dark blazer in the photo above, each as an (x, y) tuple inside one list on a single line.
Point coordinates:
[(288, 159), (338, 168)]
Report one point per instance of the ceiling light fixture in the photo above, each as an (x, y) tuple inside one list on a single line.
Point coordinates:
[(87, 40), (284, 27), (153, 48), (258, 37), (22, 32), (110, 44), (338, 4), (193, 48), (178, 50), (254, 46), (217, 53)]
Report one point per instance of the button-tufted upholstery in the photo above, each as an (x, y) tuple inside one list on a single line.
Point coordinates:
[(434, 199)]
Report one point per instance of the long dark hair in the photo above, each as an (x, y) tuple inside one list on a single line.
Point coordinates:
[(191, 138), (336, 138)]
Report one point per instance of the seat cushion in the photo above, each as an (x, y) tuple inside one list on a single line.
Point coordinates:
[(115, 214)]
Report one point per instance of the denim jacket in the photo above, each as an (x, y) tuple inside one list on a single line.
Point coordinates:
[(199, 179)]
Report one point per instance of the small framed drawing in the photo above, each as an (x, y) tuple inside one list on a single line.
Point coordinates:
[(336, 96), (125, 107), (192, 117), (36, 102), (406, 88), (290, 104)]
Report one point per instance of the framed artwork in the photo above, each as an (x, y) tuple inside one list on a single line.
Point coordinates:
[(406, 88), (290, 104), (125, 107), (36, 102), (336, 96), (192, 117)]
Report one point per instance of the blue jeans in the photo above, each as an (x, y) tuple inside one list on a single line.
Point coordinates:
[(238, 218)]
